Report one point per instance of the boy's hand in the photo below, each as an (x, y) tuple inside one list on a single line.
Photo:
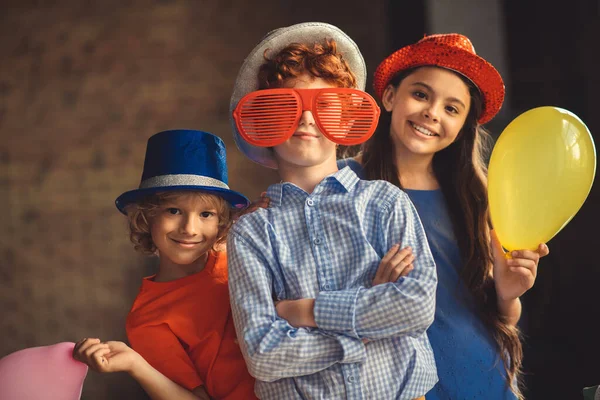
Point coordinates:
[(394, 264), (106, 357), (298, 313)]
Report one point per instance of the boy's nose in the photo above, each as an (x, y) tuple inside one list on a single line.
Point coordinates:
[(189, 226), (306, 118)]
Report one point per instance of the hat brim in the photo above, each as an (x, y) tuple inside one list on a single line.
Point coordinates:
[(473, 67), (247, 79), (235, 199)]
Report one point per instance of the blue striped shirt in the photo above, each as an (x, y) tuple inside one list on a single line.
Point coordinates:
[(327, 245)]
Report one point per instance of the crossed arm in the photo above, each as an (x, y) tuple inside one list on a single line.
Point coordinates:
[(392, 306), (513, 275), (397, 263), (274, 348)]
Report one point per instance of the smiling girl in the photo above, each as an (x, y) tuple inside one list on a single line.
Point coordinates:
[(436, 93)]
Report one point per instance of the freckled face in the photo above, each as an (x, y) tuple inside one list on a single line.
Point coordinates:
[(307, 146)]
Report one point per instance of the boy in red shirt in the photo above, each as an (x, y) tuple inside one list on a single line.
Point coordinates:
[(180, 325)]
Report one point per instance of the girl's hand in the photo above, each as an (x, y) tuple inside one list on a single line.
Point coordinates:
[(516, 275), (262, 202), (394, 264), (106, 356)]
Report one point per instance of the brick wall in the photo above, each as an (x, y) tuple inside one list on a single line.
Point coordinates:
[(83, 84)]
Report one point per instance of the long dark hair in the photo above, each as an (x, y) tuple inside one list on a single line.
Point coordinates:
[(461, 172)]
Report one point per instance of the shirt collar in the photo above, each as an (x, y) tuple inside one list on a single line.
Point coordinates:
[(344, 179)]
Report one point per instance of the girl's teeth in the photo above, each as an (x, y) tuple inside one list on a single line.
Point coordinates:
[(423, 130)]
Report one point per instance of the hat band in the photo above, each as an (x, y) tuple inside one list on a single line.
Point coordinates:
[(181, 180)]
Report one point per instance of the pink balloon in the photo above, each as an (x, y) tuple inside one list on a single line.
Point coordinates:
[(42, 373)]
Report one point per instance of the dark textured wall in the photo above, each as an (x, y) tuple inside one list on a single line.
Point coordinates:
[(83, 84), (554, 62)]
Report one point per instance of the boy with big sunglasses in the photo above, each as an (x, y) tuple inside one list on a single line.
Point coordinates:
[(315, 313)]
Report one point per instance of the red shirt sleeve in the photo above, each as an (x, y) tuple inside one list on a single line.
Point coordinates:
[(161, 348)]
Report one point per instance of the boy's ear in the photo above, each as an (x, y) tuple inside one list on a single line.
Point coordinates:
[(387, 99)]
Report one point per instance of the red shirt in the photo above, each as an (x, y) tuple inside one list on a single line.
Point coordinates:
[(184, 329)]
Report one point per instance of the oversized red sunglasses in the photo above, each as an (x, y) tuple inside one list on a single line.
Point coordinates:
[(270, 117)]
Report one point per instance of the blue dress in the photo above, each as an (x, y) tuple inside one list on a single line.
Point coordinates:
[(468, 363)]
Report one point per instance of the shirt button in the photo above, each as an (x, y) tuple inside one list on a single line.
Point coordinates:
[(327, 286), (351, 379), (310, 202), (317, 241)]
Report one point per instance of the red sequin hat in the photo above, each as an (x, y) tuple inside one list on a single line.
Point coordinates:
[(454, 52)]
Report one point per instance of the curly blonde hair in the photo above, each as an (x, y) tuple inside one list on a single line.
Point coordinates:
[(140, 214)]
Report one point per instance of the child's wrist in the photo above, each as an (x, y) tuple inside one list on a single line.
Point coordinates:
[(504, 298), (508, 307), (137, 366), (310, 313)]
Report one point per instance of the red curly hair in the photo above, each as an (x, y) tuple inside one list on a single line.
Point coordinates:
[(321, 60)]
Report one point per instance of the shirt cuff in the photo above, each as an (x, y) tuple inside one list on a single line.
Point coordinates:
[(354, 350), (336, 311)]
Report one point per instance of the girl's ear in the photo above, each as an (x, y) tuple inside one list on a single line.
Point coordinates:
[(387, 99)]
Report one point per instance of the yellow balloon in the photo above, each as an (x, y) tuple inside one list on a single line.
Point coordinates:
[(540, 173)]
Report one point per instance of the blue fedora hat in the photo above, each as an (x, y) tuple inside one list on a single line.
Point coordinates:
[(183, 160)]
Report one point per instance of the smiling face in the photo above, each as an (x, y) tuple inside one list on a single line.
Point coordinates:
[(429, 108), (184, 229), (307, 147)]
